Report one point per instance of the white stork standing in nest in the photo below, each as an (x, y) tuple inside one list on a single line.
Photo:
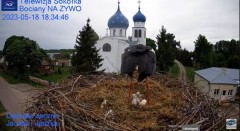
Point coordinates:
[(142, 57)]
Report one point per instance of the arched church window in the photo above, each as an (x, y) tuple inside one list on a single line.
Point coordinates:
[(140, 33), (120, 32), (145, 34), (114, 32), (136, 33), (106, 47)]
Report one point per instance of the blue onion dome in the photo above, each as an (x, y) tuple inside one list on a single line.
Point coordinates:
[(139, 17), (118, 20)]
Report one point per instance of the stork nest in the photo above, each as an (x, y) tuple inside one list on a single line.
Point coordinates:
[(78, 101)]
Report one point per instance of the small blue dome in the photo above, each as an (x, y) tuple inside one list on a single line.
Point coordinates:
[(139, 17), (118, 20)]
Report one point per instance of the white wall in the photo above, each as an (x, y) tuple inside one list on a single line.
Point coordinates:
[(121, 46), (202, 84), (112, 60), (139, 26), (222, 87), (117, 33), (208, 89)]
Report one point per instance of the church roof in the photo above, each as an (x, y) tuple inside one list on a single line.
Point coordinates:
[(118, 20), (139, 17)]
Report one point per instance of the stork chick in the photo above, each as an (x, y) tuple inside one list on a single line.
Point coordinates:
[(139, 97), (134, 99), (143, 102), (103, 103)]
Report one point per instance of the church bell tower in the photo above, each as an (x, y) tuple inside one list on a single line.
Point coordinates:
[(139, 30)]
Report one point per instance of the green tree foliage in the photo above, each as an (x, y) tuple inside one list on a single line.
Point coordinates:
[(203, 50), (234, 62), (19, 52), (150, 42), (185, 57), (62, 51), (86, 58), (45, 55), (228, 53), (1, 54), (167, 48)]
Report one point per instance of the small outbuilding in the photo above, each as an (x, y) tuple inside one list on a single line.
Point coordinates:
[(218, 83)]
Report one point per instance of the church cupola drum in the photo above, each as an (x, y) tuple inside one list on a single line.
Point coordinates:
[(118, 24)]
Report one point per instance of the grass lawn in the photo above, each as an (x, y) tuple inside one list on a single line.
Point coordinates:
[(56, 77), (12, 80), (175, 69), (190, 73)]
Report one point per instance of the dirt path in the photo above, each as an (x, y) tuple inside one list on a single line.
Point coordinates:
[(182, 74), (15, 97)]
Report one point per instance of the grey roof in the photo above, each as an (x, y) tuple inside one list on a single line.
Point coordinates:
[(220, 75)]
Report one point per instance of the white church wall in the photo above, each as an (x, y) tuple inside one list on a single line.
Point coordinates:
[(142, 39), (121, 47), (118, 33), (139, 24), (110, 62)]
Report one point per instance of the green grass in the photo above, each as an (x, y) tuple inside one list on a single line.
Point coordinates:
[(190, 73), (56, 77), (65, 72), (12, 80), (175, 70)]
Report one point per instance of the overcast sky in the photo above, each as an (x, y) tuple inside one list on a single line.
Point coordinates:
[(186, 19)]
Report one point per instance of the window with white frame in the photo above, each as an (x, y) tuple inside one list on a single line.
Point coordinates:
[(216, 91), (230, 92)]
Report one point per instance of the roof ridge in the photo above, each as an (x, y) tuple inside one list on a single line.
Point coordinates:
[(217, 75), (221, 73)]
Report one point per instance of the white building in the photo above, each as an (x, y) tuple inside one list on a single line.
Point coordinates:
[(218, 83), (112, 46)]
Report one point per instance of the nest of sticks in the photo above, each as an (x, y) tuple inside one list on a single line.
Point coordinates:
[(78, 101)]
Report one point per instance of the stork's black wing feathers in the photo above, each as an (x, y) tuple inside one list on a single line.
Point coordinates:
[(138, 55)]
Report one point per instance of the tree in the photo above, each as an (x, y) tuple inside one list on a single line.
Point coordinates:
[(150, 42), (167, 48), (1, 54), (234, 62), (185, 57), (86, 58), (228, 53), (22, 54), (202, 51)]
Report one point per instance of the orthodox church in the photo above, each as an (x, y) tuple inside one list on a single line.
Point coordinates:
[(112, 46)]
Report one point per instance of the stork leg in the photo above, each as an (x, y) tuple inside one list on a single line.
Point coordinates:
[(147, 86), (130, 91)]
